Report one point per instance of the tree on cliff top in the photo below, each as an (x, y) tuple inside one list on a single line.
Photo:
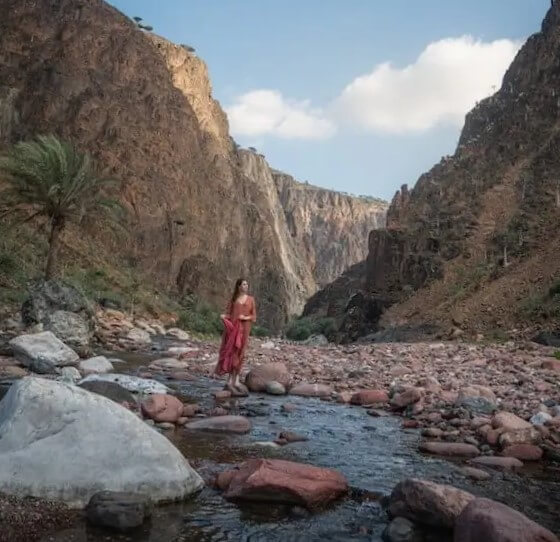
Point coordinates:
[(50, 179)]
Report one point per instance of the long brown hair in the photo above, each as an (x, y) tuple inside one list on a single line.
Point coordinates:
[(235, 295)]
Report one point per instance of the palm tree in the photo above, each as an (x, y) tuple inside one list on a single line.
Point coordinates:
[(49, 178)]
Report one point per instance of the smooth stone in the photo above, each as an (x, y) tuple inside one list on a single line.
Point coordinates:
[(134, 384), (98, 364), (221, 424), (506, 463), (275, 388), (118, 510)]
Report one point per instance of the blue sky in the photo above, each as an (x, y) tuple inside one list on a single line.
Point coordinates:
[(357, 95)]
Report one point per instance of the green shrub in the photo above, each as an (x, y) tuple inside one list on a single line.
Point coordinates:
[(199, 316), (303, 328), (259, 331), (557, 354)]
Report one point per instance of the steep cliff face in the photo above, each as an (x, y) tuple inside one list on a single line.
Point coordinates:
[(201, 212), (476, 238), (329, 229)]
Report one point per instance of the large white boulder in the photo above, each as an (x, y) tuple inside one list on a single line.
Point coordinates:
[(42, 352), (61, 442), (134, 384)]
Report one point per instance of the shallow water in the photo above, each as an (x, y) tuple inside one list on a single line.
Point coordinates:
[(373, 453)]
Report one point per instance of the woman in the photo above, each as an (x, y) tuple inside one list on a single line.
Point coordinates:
[(240, 316)]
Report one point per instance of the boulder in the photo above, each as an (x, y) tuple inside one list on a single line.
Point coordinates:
[(162, 408), (118, 510), (457, 449), (289, 436), (70, 374), (369, 397), (42, 352), (178, 334), (64, 443), (134, 384), (406, 398), (169, 364), (528, 435), (316, 340), (258, 377), (264, 480), (505, 463), (484, 520), (429, 503), (509, 422), (138, 337), (275, 388), (221, 424), (476, 405), (111, 390), (59, 308), (402, 530), (523, 452), (311, 390), (98, 364)]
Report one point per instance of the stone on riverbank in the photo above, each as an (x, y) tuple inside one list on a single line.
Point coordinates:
[(369, 397), (112, 449), (402, 530), (484, 520), (162, 408), (274, 480), (456, 449), (506, 463), (42, 352), (118, 510), (429, 503), (98, 364), (275, 388), (111, 390), (258, 377), (221, 424), (311, 390)]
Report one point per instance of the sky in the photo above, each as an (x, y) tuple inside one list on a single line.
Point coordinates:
[(359, 96)]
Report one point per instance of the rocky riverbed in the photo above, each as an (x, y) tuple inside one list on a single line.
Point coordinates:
[(482, 418)]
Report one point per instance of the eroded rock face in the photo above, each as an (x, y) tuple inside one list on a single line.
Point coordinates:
[(144, 108), (112, 449)]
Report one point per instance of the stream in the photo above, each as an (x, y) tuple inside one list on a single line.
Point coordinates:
[(374, 453)]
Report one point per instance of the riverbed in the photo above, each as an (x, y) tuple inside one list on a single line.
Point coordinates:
[(374, 453)]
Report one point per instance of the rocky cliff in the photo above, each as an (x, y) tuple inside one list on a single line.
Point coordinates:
[(202, 212), (474, 245)]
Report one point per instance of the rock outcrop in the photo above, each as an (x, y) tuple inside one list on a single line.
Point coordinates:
[(474, 244), (201, 211)]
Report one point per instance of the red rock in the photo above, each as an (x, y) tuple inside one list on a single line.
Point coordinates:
[(221, 395), (448, 396), (432, 432), (288, 436), (161, 407), (484, 520), (344, 397), (289, 407), (476, 391), (182, 421), (492, 436), (311, 390), (524, 452), (428, 503), (369, 397), (221, 424), (506, 463), (274, 480), (410, 424), (509, 421), (218, 411), (190, 410), (457, 449), (259, 376), (530, 435), (408, 397), (476, 474)]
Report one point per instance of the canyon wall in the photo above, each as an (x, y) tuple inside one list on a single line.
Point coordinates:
[(201, 211), (473, 247)]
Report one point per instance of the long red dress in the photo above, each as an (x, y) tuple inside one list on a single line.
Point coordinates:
[(236, 335)]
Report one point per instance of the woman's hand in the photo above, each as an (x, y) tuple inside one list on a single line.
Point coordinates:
[(223, 316)]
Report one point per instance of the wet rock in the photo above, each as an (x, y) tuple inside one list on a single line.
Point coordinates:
[(111, 390), (258, 377), (168, 364), (476, 474), (221, 424), (523, 452), (289, 407), (264, 480), (376, 413), (457, 449), (402, 530), (429, 503), (408, 397), (311, 390), (42, 420), (218, 411), (289, 436), (369, 397), (42, 352), (275, 388), (162, 408), (505, 463), (490, 521), (221, 395), (134, 384), (410, 424), (118, 510), (98, 364)]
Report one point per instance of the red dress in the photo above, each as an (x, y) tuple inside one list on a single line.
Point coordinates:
[(236, 335)]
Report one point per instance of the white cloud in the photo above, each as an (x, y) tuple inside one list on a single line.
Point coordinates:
[(267, 112), (444, 83)]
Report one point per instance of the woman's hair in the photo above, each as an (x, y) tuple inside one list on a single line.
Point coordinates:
[(235, 295)]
